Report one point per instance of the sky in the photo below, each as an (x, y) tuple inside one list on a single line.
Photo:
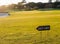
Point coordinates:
[(7, 2)]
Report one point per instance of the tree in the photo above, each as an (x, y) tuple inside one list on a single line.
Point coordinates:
[(3, 8), (57, 5), (12, 6), (20, 6), (39, 5), (31, 5)]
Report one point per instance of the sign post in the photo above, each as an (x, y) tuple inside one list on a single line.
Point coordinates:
[(43, 28)]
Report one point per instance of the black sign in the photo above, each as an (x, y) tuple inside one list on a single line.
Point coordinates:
[(43, 28)]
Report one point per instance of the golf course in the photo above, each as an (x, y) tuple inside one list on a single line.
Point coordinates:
[(20, 27)]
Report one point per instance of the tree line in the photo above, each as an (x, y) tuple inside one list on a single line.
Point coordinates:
[(32, 6)]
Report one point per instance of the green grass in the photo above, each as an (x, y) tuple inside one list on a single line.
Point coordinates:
[(20, 27)]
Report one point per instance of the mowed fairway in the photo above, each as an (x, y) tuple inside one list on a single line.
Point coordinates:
[(20, 27)]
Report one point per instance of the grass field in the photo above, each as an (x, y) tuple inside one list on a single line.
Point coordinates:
[(20, 27)]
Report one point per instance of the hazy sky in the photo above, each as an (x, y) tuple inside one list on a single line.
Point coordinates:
[(6, 2)]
